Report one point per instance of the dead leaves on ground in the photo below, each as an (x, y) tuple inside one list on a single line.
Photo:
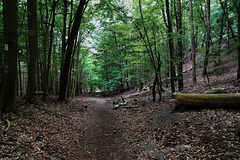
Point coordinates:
[(149, 130), (39, 134), (210, 133)]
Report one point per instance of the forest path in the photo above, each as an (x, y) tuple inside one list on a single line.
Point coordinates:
[(101, 138)]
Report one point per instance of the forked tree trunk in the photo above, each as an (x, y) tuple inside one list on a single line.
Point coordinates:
[(46, 73), (72, 37)]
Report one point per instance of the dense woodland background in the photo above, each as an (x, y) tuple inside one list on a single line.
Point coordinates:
[(68, 48)]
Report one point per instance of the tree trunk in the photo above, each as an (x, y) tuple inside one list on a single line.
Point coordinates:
[(20, 76), (225, 12), (180, 50), (33, 50), (46, 74), (8, 90), (73, 34), (154, 88), (64, 28), (238, 11), (170, 41), (76, 76), (153, 55), (207, 41), (194, 75), (45, 41)]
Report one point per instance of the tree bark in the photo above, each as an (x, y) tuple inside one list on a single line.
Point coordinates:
[(46, 73), (238, 11), (194, 75), (225, 12), (72, 37), (8, 90), (20, 76), (170, 41), (33, 50), (45, 40), (180, 50), (64, 28), (207, 41), (153, 55), (198, 101)]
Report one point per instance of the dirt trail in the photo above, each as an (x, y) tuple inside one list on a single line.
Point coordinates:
[(101, 138)]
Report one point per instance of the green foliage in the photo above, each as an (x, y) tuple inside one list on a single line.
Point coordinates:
[(112, 42)]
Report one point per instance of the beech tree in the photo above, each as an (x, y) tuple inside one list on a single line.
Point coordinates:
[(207, 39), (194, 75), (8, 90), (180, 49), (33, 50), (238, 12), (170, 42)]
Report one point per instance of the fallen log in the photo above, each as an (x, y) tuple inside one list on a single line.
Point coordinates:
[(199, 101)]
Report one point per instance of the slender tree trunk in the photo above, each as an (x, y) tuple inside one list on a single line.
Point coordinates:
[(170, 41), (196, 39), (64, 32), (45, 42), (64, 28), (151, 54), (33, 50), (20, 76), (238, 11), (38, 74), (8, 91), (54, 71), (228, 25), (207, 41), (46, 74), (66, 66), (71, 78), (193, 45), (220, 41), (225, 12), (76, 72), (154, 88), (180, 49)]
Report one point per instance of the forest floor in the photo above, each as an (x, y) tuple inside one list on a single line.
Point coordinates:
[(88, 128)]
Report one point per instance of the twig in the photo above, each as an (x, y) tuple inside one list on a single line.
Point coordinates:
[(8, 126), (122, 98)]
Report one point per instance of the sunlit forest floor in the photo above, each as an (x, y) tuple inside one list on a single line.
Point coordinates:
[(88, 127)]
